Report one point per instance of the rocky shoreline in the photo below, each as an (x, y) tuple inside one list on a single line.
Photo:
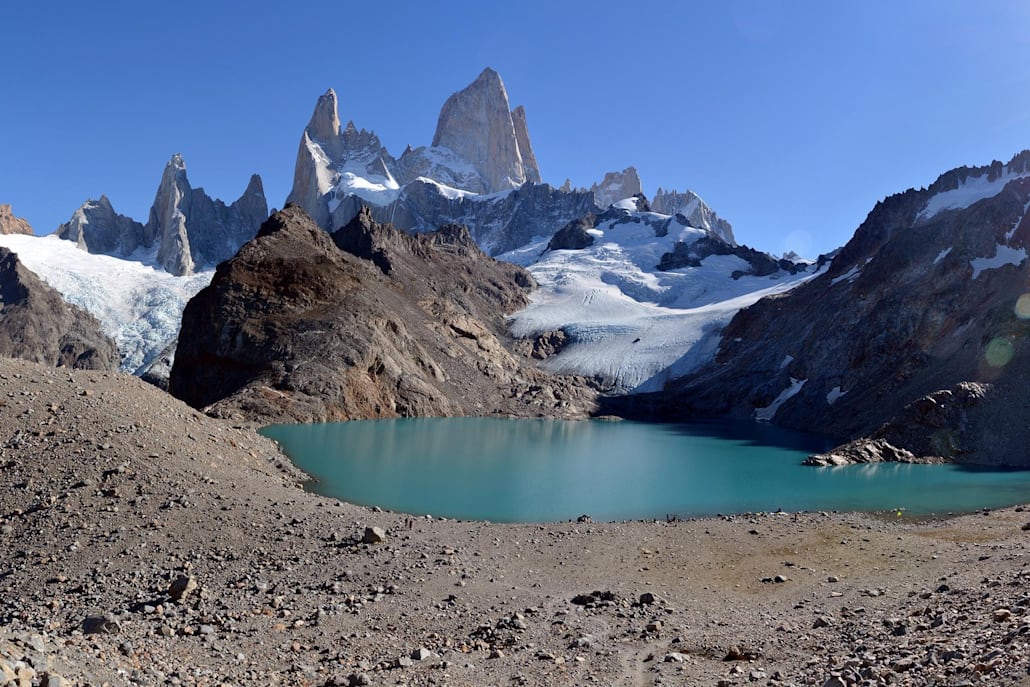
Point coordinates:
[(149, 544)]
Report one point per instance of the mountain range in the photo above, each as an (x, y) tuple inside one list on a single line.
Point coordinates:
[(906, 343)]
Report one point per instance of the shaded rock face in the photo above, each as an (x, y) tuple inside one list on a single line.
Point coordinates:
[(369, 322), (189, 229), (697, 212), (617, 186), (761, 264), (574, 235), (478, 124), (498, 224), (9, 224), (925, 297), (36, 324), (96, 228)]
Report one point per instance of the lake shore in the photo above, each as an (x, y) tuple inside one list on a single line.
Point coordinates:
[(149, 544)]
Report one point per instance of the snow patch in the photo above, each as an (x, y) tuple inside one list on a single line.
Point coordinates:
[(769, 412), (374, 189), (850, 276), (450, 192), (833, 394), (1003, 255), (787, 360), (943, 254), (972, 190)]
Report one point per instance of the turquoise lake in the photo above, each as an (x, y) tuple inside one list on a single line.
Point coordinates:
[(547, 471)]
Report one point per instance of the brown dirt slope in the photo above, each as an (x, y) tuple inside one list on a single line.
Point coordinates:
[(147, 544)]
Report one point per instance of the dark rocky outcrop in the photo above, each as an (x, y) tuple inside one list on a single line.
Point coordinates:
[(918, 305), (691, 255), (498, 224), (368, 322), (574, 235), (9, 224), (36, 324)]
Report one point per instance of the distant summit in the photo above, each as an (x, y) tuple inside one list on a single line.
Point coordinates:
[(481, 149), (477, 124), (187, 228)]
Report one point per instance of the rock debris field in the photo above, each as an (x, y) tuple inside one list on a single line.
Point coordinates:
[(144, 543)]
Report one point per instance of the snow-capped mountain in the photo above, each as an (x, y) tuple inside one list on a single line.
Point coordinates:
[(640, 298), (480, 171)]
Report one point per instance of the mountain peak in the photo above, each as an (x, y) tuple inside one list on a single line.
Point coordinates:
[(325, 120), (477, 123), (489, 76)]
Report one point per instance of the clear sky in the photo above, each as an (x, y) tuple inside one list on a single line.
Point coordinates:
[(790, 118)]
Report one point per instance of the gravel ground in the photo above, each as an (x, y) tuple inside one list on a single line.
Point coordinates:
[(144, 543)]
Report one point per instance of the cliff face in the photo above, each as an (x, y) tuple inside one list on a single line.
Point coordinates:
[(9, 224), (931, 293), (478, 124), (36, 324), (369, 322)]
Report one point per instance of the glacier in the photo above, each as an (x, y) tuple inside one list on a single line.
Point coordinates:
[(138, 304), (630, 325)]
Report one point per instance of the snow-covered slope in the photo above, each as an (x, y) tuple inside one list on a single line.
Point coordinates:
[(628, 323), (138, 304)]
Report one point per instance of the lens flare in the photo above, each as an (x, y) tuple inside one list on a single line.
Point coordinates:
[(999, 352), (1023, 307)]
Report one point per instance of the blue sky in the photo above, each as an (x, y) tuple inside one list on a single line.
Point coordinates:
[(790, 118)]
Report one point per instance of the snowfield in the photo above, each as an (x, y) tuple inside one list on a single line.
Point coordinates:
[(629, 324), (138, 305)]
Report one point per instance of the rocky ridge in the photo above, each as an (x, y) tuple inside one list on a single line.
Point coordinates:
[(149, 544), (928, 298), (187, 230), (9, 224), (368, 322), (36, 323), (696, 211), (616, 186)]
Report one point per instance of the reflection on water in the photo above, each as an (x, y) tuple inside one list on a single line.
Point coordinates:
[(544, 470)]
